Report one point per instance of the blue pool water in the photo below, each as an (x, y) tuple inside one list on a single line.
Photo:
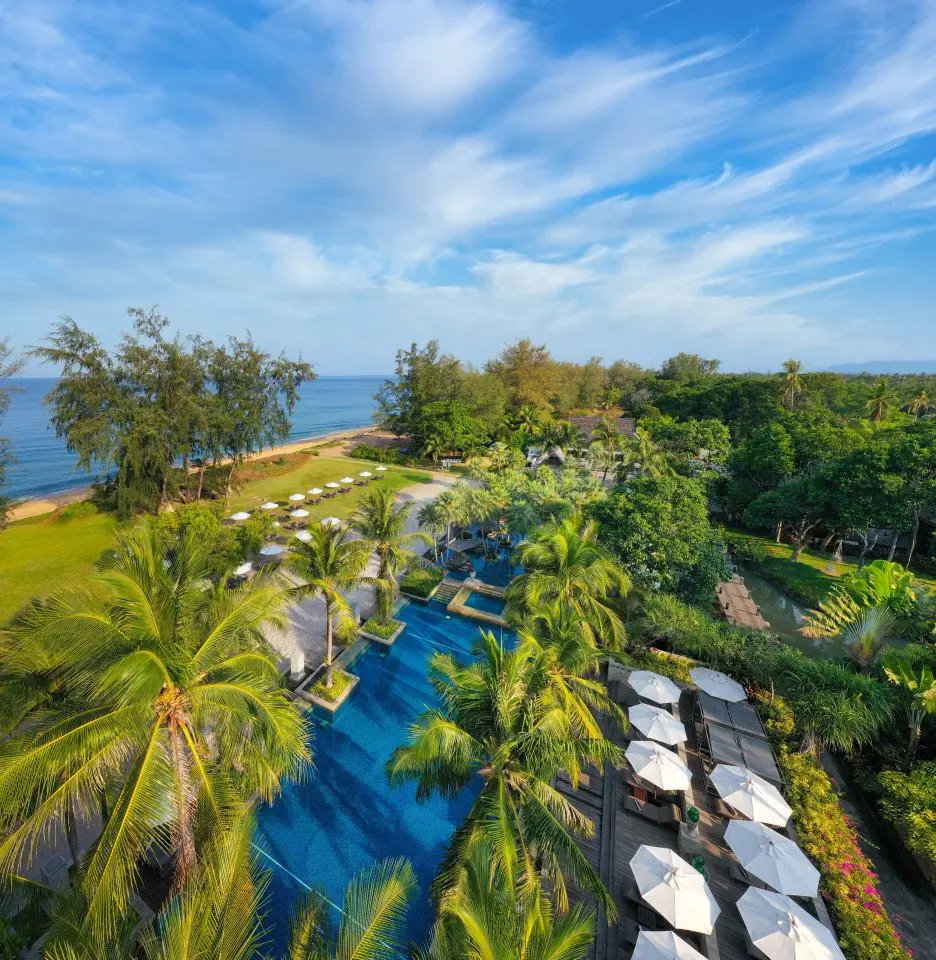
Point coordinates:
[(480, 601), (346, 816)]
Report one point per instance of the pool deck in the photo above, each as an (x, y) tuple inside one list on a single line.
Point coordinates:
[(459, 605)]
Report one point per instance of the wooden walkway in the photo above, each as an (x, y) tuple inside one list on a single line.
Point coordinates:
[(737, 606)]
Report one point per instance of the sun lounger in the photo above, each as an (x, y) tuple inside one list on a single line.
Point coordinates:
[(666, 814)]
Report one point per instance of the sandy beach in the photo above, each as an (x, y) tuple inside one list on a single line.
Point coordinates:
[(331, 445)]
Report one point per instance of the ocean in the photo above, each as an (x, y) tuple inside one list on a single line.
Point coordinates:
[(326, 405)]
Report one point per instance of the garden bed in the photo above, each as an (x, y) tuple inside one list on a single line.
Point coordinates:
[(385, 633), (421, 583), (326, 698)]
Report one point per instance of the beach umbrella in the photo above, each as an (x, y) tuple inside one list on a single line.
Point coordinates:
[(304, 536), (674, 888), (658, 765), (379, 469), (663, 945), (750, 794), (717, 684), (243, 570), (241, 516), (299, 514), (297, 497), (331, 522), (346, 480), (656, 723), (269, 505), (276, 523), (271, 551), (651, 686), (331, 485), (365, 474), (316, 491), (781, 930), (773, 858)]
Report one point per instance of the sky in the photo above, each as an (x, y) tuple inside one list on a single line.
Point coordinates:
[(621, 178)]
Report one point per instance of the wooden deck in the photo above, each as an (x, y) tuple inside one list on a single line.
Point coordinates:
[(619, 833), (737, 606)]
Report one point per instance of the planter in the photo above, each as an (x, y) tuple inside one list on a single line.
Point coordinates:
[(423, 600), (384, 641), (331, 706)]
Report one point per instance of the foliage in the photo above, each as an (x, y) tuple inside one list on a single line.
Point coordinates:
[(688, 368), (381, 628), (910, 800), (421, 581), (340, 681), (919, 692), (746, 549), (75, 511), (392, 455), (447, 427), (709, 439), (659, 529), (10, 365)]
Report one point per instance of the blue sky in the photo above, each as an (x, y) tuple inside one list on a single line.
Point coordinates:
[(627, 178)]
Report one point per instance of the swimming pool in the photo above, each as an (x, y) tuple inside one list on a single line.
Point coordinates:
[(346, 816), (481, 601)]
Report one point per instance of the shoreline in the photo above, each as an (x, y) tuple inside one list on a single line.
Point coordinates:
[(36, 506)]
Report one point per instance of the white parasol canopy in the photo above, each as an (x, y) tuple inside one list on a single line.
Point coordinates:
[(674, 888), (272, 550), (316, 491), (718, 684), (783, 931), (332, 485), (365, 473), (773, 858), (379, 469), (242, 515), (330, 522), (269, 505), (296, 497), (657, 724), (243, 570), (652, 686), (346, 480), (299, 514), (750, 794), (304, 536), (658, 765), (663, 945)]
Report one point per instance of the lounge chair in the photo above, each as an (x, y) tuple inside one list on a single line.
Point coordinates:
[(666, 814)]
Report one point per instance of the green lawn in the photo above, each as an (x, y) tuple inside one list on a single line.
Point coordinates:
[(44, 553), (317, 472)]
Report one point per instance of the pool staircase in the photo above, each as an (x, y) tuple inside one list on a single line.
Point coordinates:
[(447, 590)]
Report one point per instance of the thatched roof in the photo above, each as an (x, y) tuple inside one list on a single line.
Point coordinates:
[(586, 425)]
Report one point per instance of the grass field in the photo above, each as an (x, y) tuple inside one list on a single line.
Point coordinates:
[(39, 555)]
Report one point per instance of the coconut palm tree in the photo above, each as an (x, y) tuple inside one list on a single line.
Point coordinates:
[(919, 404), (528, 420), (792, 381), (607, 435), (382, 523), (331, 564), (565, 564), (881, 402), (430, 518), (919, 690), (485, 917), (648, 457), (172, 709), (499, 721)]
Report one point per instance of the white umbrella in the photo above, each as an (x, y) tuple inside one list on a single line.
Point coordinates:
[(750, 794), (379, 469), (316, 491), (365, 473), (658, 765), (269, 505), (783, 931), (663, 945), (243, 569), (304, 536), (674, 888), (296, 497), (271, 550), (346, 480), (330, 522), (241, 516), (299, 514), (657, 723), (332, 485), (651, 686), (718, 684), (773, 858)]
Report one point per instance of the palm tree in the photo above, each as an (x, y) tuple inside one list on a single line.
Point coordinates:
[(379, 521), (606, 434), (331, 564), (484, 917), (792, 381), (499, 720), (430, 518), (173, 710), (528, 420), (864, 638), (919, 404), (565, 564), (919, 690), (883, 398), (649, 458)]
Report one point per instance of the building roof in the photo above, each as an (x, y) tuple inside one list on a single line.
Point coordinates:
[(586, 425)]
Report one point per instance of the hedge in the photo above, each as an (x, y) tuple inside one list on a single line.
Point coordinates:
[(421, 581)]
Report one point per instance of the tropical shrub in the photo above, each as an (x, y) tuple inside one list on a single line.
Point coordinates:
[(910, 799), (365, 451), (421, 581), (75, 511), (380, 628), (745, 549)]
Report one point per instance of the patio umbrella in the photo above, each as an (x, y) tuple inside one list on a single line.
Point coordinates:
[(676, 890), (663, 945), (750, 794), (241, 516), (718, 684), (657, 723), (272, 550), (651, 686), (296, 497), (658, 765), (269, 505), (773, 858), (304, 536), (299, 514), (783, 931), (330, 522), (243, 570), (332, 485), (379, 469), (316, 491), (346, 480), (365, 474)]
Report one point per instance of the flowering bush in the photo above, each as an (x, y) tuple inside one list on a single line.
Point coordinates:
[(848, 883)]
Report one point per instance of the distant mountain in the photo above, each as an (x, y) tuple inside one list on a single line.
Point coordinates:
[(886, 366)]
